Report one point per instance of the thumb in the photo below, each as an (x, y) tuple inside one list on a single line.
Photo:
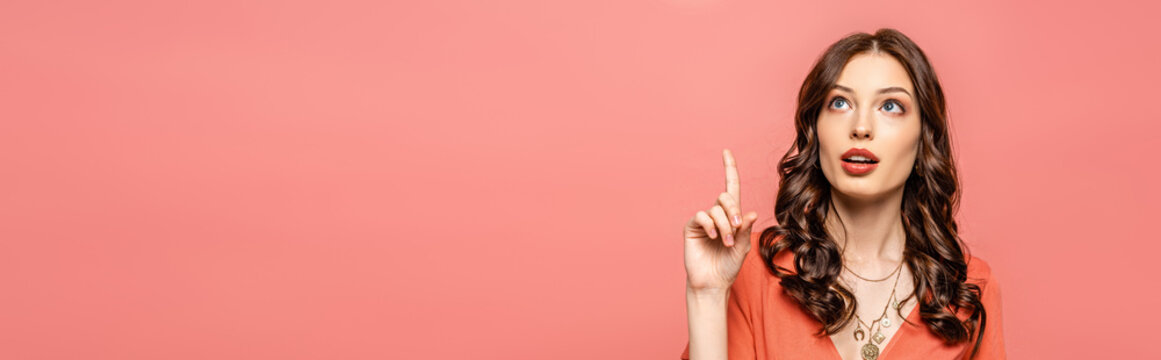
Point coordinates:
[(747, 225)]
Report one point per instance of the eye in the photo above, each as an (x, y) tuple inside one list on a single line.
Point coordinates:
[(892, 106), (837, 102)]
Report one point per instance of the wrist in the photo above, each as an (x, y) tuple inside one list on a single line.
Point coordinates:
[(707, 293)]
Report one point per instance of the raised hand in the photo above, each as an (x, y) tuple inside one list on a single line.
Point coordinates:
[(717, 239)]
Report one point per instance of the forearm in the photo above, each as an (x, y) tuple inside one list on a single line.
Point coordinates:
[(706, 311)]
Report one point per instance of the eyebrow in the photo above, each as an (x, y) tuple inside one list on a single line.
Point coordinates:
[(881, 91)]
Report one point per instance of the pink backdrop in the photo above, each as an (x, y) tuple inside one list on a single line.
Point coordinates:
[(507, 179)]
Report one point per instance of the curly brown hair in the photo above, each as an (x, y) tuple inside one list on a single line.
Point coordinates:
[(933, 250)]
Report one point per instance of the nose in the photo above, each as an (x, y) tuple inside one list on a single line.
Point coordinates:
[(860, 132), (861, 128)]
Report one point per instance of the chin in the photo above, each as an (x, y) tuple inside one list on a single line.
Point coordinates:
[(860, 192), (857, 195)]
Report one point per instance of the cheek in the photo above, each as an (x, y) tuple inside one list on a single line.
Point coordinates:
[(829, 136), (908, 149), (913, 134)]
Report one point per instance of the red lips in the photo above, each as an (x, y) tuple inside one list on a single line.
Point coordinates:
[(860, 152), (859, 168)]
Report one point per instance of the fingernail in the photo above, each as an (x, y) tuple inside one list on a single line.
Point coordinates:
[(713, 233), (729, 239), (737, 220)]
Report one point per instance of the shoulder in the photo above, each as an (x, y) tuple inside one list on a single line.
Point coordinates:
[(754, 278), (982, 274), (979, 271), (992, 339), (756, 282), (756, 266), (753, 271)]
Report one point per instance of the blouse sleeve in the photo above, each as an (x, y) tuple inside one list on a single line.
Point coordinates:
[(739, 335), (992, 341)]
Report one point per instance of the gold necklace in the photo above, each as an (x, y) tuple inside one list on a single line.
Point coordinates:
[(900, 266), (870, 350)]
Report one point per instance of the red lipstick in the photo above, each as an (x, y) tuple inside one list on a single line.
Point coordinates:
[(858, 161)]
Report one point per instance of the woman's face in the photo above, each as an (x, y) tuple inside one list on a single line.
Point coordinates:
[(873, 108)]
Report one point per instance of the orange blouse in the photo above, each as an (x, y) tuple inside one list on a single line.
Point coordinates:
[(762, 322)]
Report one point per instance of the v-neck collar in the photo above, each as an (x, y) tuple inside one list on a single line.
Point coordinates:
[(904, 329)]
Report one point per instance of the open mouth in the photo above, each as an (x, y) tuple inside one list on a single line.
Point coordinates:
[(860, 160), (859, 156)]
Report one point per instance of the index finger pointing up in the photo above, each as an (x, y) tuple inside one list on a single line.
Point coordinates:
[(732, 185)]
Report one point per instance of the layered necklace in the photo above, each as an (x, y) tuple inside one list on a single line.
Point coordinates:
[(870, 350)]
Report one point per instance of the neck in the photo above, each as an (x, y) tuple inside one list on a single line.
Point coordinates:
[(874, 229)]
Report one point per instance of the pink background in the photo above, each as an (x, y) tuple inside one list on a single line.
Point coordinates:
[(507, 179)]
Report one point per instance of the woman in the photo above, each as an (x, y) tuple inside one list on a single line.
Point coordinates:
[(865, 224)]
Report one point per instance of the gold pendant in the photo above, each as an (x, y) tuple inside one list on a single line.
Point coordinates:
[(878, 337), (859, 334), (886, 321), (870, 351)]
